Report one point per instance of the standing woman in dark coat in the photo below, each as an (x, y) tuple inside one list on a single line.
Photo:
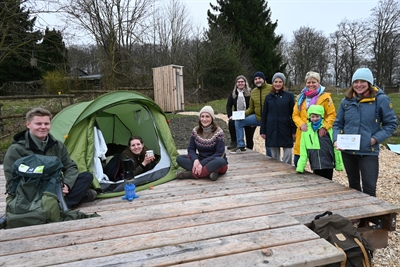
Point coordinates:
[(277, 126), (241, 92)]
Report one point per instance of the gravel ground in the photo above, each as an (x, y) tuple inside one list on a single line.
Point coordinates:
[(388, 188)]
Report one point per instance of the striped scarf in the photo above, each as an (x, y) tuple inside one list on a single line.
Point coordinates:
[(310, 94)]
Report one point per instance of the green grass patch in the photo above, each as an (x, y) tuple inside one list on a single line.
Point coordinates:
[(219, 106)]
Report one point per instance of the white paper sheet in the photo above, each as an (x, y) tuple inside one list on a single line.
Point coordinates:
[(348, 141), (238, 115), (394, 147)]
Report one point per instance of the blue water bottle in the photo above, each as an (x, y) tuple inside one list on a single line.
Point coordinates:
[(129, 167), (130, 192)]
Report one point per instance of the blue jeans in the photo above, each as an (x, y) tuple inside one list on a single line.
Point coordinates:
[(296, 159), (250, 120)]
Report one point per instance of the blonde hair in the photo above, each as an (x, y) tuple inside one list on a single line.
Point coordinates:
[(41, 112), (313, 75), (246, 89)]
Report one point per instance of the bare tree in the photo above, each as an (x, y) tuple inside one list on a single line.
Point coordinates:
[(172, 26), (354, 37), (84, 58), (309, 50), (336, 56), (284, 50), (116, 26), (386, 40)]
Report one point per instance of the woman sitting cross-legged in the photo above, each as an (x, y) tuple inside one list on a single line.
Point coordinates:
[(206, 151)]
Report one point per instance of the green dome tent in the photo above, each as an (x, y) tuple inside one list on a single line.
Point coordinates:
[(118, 115)]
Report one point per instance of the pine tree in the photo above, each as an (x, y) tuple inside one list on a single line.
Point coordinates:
[(249, 21), (52, 53), (18, 40)]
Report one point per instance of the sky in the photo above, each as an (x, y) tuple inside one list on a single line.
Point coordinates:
[(322, 15)]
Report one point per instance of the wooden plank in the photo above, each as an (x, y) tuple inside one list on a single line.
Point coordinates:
[(302, 191), (308, 253), (23, 242), (228, 201), (137, 214), (144, 248), (358, 212)]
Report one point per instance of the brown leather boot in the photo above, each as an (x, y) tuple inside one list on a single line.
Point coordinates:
[(184, 175)]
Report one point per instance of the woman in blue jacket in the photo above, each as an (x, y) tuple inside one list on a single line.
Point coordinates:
[(366, 111)]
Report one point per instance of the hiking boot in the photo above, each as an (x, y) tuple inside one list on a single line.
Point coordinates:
[(232, 146), (213, 176), (89, 196), (184, 175), (237, 150)]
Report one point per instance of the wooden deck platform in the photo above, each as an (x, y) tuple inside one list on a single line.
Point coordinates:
[(257, 214)]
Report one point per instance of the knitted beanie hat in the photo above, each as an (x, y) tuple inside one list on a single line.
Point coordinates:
[(209, 110), (259, 74), (279, 75), (364, 74)]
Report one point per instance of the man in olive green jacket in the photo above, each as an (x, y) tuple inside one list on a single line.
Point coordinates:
[(253, 112)]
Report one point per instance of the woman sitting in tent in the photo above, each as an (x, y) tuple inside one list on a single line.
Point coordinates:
[(206, 151), (136, 151)]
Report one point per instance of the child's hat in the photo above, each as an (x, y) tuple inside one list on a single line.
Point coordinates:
[(316, 109)]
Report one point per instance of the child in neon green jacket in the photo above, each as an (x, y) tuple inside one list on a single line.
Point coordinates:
[(319, 150)]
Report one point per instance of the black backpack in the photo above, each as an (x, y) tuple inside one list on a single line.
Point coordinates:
[(340, 232), (37, 194)]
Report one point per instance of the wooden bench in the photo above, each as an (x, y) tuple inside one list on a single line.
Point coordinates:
[(257, 214)]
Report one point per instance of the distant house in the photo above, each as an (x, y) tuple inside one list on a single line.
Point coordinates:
[(86, 81)]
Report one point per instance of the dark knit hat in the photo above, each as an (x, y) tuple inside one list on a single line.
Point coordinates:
[(259, 74)]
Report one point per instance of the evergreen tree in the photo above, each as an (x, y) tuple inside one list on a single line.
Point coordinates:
[(225, 60), (52, 53), (18, 41), (249, 21)]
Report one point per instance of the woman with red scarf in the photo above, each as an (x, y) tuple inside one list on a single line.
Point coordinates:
[(312, 94)]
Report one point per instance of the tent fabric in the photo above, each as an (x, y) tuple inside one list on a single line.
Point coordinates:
[(118, 115)]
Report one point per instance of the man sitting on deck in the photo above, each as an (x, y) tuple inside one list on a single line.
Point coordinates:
[(38, 140)]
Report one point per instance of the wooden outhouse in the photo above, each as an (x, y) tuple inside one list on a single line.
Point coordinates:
[(168, 88)]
